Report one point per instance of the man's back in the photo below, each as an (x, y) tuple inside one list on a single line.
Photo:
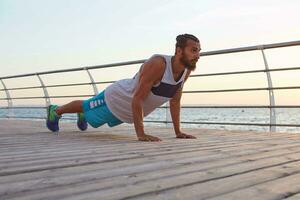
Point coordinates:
[(119, 95)]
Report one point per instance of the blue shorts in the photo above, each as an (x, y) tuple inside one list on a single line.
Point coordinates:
[(97, 113)]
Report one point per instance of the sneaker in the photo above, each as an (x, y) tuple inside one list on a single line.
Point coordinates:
[(81, 122), (52, 118)]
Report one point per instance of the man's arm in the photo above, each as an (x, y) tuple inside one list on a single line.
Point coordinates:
[(175, 112), (152, 72)]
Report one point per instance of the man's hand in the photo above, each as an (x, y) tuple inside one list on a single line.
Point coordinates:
[(184, 136), (148, 138)]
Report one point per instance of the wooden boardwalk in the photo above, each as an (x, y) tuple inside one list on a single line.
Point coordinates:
[(109, 163)]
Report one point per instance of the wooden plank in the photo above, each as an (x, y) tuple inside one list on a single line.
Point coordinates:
[(109, 171), (276, 189), (37, 149), (63, 148), (293, 196), (204, 183), (95, 159), (61, 154), (35, 164), (197, 160)]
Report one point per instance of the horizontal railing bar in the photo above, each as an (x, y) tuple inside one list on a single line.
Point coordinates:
[(279, 106), (24, 107), (54, 97), (283, 69), (196, 75), (194, 91), (229, 123), (60, 85), (245, 89), (251, 48), (68, 84), (20, 117), (165, 107), (246, 72), (77, 69), (32, 117), (79, 84), (22, 88), (209, 53), (228, 73), (104, 82), (184, 122)]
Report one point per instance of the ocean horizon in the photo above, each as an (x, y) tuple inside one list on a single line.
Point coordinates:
[(196, 115)]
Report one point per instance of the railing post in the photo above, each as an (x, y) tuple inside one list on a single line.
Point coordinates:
[(92, 81), (167, 105), (9, 100), (271, 93), (46, 95)]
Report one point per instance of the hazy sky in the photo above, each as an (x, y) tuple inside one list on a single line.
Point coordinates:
[(40, 35)]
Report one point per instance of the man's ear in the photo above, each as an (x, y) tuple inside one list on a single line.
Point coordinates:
[(178, 50)]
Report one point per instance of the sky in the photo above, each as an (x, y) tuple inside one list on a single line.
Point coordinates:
[(40, 35)]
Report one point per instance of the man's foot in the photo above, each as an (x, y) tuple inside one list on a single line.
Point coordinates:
[(81, 122), (52, 118)]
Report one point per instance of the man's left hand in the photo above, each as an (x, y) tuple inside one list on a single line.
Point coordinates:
[(185, 136)]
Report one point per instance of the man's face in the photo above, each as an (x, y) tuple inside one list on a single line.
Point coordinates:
[(190, 54)]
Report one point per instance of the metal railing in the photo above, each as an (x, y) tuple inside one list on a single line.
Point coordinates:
[(272, 105)]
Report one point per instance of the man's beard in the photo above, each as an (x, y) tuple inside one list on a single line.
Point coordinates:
[(191, 65)]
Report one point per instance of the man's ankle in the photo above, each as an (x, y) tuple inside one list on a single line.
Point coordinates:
[(58, 112)]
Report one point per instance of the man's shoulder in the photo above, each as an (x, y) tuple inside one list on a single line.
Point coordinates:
[(154, 67), (160, 56), (158, 59)]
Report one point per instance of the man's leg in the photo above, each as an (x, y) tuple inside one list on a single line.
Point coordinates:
[(72, 107), (55, 112)]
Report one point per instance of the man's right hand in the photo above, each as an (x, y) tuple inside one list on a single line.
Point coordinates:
[(148, 138)]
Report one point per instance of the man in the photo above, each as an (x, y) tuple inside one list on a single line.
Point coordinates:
[(160, 79)]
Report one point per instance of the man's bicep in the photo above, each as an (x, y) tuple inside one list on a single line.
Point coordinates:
[(150, 73), (143, 88)]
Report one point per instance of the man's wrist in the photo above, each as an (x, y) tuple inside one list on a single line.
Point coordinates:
[(140, 134), (177, 132)]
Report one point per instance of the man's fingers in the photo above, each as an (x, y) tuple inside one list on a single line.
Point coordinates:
[(149, 138), (191, 136), (186, 136), (155, 139)]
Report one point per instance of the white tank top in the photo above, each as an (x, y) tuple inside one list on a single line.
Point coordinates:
[(118, 96)]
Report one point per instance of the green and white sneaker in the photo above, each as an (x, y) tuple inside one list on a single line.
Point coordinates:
[(52, 118)]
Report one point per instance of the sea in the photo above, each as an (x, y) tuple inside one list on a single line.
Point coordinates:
[(194, 115)]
